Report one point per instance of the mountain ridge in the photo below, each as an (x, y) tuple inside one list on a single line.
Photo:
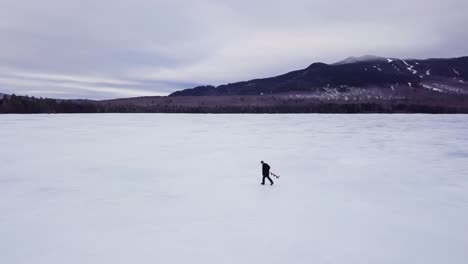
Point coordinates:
[(353, 59), (449, 75)]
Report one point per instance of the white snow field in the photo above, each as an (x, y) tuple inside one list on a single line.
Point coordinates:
[(162, 188)]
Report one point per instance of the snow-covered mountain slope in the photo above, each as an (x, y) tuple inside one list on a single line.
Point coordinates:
[(183, 189), (364, 58)]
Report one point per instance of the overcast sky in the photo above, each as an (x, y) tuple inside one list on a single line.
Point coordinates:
[(101, 49)]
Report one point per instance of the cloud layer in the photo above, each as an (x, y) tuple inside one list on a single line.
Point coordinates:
[(109, 49)]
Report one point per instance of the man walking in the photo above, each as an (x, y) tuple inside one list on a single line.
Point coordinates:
[(266, 173)]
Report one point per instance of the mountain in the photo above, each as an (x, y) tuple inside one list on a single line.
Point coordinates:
[(366, 74), (367, 84), (360, 59)]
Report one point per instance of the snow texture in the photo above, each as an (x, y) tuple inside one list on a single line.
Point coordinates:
[(410, 67), (432, 88), (157, 188)]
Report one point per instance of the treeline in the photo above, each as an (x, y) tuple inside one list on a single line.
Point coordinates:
[(12, 104), (322, 108), (32, 105)]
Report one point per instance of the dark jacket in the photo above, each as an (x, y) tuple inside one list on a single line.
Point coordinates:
[(265, 169)]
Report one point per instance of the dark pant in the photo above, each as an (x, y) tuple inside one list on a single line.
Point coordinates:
[(267, 176)]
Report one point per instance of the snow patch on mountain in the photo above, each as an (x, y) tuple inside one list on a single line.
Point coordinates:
[(360, 59), (410, 67), (432, 88)]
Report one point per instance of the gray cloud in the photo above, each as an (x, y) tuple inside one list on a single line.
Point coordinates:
[(107, 49)]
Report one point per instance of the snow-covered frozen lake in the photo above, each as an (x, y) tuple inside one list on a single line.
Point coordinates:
[(160, 188)]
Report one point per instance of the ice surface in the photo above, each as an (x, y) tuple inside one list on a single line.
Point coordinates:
[(159, 188)]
